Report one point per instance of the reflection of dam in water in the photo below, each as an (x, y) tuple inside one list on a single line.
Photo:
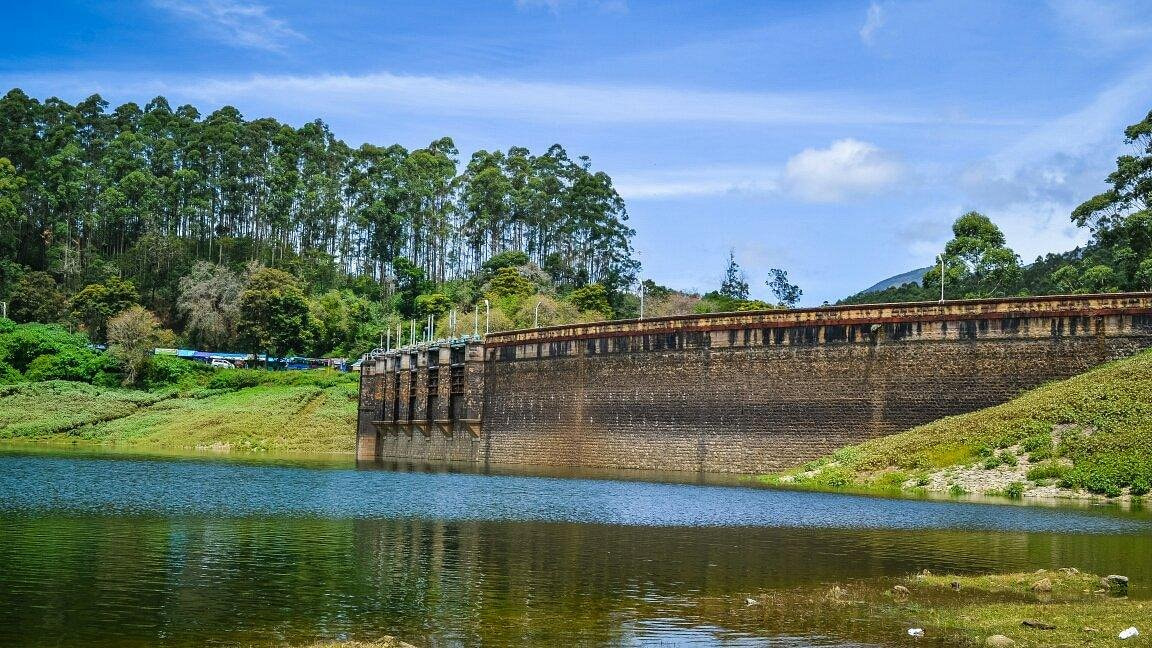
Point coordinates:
[(739, 392)]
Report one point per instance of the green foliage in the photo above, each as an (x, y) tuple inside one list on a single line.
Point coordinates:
[(592, 298), (9, 375), (956, 490), (433, 304), (36, 297), (1015, 490), (735, 285), (787, 294), (167, 371), (98, 303), (75, 364), (508, 282), (976, 261), (27, 342), (274, 313), (1047, 470)]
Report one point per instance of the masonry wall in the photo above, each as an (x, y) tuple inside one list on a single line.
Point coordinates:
[(422, 404), (763, 391)]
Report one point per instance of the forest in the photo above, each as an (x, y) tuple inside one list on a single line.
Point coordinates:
[(204, 220)]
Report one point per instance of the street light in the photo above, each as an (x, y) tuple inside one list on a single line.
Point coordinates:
[(476, 321), (487, 316), (536, 316), (641, 299), (941, 258)]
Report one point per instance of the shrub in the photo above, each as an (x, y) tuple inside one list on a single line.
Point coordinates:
[(893, 480), (1140, 487), (165, 371), (26, 342), (1015, 490), (75, 364), (1007, 458), (956, 490), (9, 375), (1047, 471)]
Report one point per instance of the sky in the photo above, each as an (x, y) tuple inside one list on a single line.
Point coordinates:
[(835, 139)]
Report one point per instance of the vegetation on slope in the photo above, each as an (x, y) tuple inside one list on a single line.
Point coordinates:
[(1091, 432)]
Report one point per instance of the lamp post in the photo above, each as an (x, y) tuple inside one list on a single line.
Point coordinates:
[(941, 257), (641, 299), (412, 334), (476, 321), (536, 315), (487, 316)]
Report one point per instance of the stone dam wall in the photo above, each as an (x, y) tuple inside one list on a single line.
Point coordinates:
[(741, 392)]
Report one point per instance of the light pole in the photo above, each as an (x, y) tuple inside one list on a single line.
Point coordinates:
[(487, 316), (412, 334), (431, 327), (452, 322), (641, 299), (941, 278), (476, 321), (536, 315)]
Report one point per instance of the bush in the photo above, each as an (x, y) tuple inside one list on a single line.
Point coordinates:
[(27, 342), (165, 371), (1015, 490), (956, 490), (74, 364), (9, 375), (1047, 471), (1140, 487)]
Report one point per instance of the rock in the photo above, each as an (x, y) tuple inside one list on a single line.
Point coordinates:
[(1129, 633), (955, 586), (999, 641), (1042, 585), (1115, 583), (750, 601), (1039, 625), (901, 591), (1071, 571), (1041, 571)]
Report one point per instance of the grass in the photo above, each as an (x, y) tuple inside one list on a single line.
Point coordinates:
[(237, 409), (1093, 431)]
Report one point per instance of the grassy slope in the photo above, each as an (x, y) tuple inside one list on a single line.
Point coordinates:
[(282, 417), (1092, 432)]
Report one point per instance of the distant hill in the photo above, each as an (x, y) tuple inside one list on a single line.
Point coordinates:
[(912, 276)]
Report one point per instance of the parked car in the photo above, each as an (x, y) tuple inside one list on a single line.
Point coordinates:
[(222, 364)]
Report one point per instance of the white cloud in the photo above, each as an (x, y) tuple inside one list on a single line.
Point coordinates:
[(477, 97), (873, 21), (847, 169), (234, 22)]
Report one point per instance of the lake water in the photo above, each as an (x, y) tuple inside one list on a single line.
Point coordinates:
[(118, 550)]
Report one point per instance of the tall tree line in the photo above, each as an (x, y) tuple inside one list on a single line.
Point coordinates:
[(148, 191)]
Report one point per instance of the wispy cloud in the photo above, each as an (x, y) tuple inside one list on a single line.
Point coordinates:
[(845, 170), (873, 21), (1104, 25), (556, 6), (243, 24), (478, 97), (698, 182)]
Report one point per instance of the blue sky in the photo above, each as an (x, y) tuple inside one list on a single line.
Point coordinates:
[(835, 139)]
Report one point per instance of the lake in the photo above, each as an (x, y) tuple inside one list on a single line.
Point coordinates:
[(113, 549)]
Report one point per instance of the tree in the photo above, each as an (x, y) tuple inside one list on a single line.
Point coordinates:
[(735, 285), (592, 298), (97, 303), (508, 282), (36, 298), (977, 261), (274, 314), (132, 337), (787, 294), (210, 304), (1131, 190)]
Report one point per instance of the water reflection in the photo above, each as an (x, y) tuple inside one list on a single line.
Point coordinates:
[(142, 553)]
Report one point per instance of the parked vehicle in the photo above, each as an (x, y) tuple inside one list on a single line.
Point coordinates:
[(222, 364)]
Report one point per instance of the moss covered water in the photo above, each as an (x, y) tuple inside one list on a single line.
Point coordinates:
[(121, 550)]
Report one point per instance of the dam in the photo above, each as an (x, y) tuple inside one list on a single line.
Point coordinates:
[(745, 392)]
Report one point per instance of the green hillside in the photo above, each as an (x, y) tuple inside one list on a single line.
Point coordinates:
[(1088, 434)]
